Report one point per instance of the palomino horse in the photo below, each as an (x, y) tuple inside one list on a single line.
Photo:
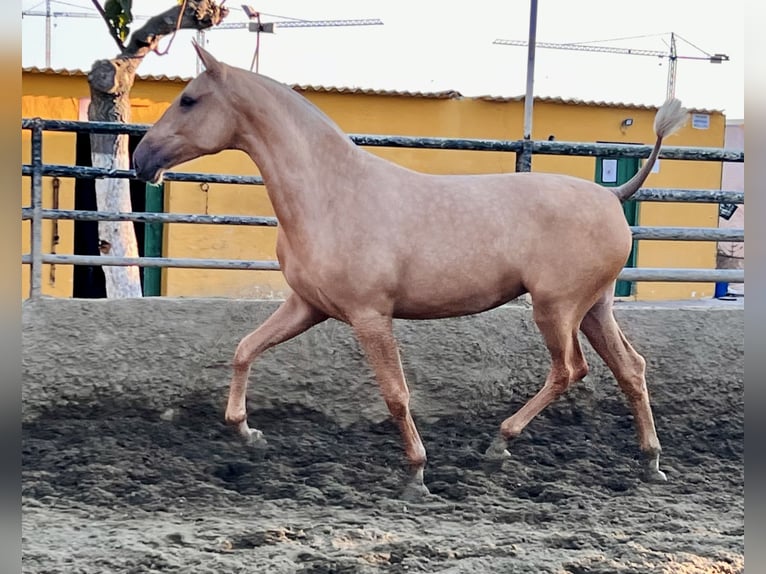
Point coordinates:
[(363, 241)]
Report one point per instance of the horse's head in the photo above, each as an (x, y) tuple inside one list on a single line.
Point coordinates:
[(195, 124)]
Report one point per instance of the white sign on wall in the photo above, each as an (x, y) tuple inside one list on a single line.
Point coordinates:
[(609, 170), (700, 121)]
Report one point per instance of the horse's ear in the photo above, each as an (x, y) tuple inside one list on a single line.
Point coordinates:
[(208, 60)]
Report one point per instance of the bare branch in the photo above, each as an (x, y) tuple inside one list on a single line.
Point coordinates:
[(112, 31), (196, 15)]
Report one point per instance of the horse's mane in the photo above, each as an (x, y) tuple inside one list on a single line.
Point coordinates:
[(302, 100)]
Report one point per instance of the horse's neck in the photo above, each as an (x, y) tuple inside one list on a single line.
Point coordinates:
[(301, 153)]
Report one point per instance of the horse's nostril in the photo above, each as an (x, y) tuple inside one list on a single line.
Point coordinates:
[(138, 163)]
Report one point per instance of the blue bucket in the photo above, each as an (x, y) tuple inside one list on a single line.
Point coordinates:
[(721, 289)]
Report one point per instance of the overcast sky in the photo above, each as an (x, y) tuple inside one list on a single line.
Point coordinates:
[(432, 45)]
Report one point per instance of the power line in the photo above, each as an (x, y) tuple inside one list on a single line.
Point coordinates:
[(620, 39), (35, 6), (86, 7)]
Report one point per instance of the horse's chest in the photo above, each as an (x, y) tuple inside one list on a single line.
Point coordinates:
[(303, 275)]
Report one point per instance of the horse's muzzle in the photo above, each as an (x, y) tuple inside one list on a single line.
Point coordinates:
[(147, 163)]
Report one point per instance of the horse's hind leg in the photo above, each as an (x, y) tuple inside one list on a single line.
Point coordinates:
[(606, 337), (293, 317), (375, 335), (558, 325)]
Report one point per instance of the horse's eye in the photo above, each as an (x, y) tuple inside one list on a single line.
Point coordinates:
[(187, 101)]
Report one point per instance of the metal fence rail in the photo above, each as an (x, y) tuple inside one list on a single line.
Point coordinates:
[(471, 144), (524, 149), (639, 232)]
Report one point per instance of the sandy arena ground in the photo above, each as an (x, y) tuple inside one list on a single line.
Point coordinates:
[(129, 468)]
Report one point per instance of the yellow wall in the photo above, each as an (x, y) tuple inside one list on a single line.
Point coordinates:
[(56, 96), (220, 241), (579, 123), (57, 148)]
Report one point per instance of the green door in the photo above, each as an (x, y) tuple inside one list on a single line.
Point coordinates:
[(153, 240), (611, 172)]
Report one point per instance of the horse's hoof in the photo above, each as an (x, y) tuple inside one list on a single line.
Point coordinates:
[(255, 439), (495, 456), (251, 437), (652, 472), (653, 475), (414, 491), (498, 450)]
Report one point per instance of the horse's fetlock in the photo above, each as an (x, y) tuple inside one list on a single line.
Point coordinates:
[(651, 453), (235, 418), (579, 372), (418, 458), (509, 431)]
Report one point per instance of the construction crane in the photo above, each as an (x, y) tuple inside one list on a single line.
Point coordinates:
[(671, 54), (253, 24)]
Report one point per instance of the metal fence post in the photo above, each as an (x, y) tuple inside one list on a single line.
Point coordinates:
[(524, 157), (36, 267)]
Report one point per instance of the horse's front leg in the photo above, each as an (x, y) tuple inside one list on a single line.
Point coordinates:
[(375, 335), (292, 318)]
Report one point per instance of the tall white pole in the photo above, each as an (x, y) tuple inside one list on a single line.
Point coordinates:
[(47, 33), (529, 97)]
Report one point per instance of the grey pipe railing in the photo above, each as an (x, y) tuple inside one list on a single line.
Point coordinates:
[(524, 149)]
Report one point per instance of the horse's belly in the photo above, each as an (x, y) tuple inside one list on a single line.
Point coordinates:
[(451, 297), (420, 289)]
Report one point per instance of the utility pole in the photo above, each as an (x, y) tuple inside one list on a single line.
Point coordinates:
[(47, 33), (529, 97)]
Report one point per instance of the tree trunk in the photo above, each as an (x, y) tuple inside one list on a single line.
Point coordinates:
[(110, 151), (110, 83)]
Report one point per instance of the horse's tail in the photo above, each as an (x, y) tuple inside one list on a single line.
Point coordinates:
[(669, 118)]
